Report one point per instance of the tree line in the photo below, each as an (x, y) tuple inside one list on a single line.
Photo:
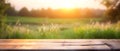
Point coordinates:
[(55, 13), (112, 12)]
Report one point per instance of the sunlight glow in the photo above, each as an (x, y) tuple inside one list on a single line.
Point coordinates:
[(67, 5), (56, 4)]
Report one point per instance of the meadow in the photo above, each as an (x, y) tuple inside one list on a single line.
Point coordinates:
[(55, 28)]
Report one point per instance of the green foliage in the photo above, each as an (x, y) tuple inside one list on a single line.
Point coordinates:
[(71, 33), (11, 12), (3, 7), (107, 3), (60, 29), (113, 10)]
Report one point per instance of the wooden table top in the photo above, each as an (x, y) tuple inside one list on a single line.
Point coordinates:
[(59, 44)]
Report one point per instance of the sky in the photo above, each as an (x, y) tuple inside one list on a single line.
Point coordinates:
[(55, 4)]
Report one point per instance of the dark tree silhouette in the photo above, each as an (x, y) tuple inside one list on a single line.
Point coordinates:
[(3, 7), (55, 13), (24, 12), (113, 10), (11, 11)]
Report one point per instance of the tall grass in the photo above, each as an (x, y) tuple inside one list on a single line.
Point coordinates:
[(56, 31)]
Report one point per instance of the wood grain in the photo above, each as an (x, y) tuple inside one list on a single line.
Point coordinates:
[(59, 44)]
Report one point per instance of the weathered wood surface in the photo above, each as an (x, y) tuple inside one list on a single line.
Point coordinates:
[(60, 44)]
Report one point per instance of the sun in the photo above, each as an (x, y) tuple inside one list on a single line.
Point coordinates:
[(67, 5)]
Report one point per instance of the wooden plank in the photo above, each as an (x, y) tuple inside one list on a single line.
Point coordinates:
[(42, 43), (56, 44), (113, 44), (44, 40), (54, 47)]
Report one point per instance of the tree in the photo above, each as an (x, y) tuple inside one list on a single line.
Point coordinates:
[(11, 11), (24, 12), (34, 13), (49, 12), (3, 7), (113, 10), (43, 12)]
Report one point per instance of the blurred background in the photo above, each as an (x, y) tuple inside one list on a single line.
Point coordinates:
[(59, 19)]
